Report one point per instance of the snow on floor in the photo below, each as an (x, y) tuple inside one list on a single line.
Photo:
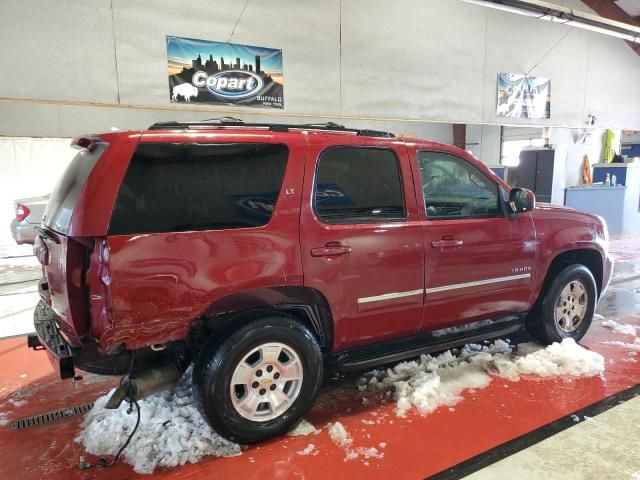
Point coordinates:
[(634, 346), (172, 432), (308, 450), (341, 437), (625, 329), (431, 382), (303, 428)]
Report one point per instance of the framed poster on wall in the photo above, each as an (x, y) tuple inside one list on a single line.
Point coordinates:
[(523, 96), (205, 71)]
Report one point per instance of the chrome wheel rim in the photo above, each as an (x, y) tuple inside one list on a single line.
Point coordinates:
[(266, 382), (571, 306)]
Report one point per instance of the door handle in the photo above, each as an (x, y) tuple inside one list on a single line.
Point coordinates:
[(330, 249), (446, 243)]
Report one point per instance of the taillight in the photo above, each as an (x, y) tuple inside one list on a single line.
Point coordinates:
[(22, 211)]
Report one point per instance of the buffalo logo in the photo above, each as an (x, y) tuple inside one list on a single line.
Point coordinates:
[(230, 84), (185, 90)]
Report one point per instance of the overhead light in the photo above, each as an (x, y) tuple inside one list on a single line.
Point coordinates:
[(559, 14)]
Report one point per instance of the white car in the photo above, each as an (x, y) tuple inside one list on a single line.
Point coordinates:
[(29, 213)]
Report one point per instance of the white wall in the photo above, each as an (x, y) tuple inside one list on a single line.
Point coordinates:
[(411, 60), (484, 142), (30, 167), (575, 144)]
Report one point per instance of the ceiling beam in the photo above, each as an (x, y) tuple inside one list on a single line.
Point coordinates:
[(609, 9)]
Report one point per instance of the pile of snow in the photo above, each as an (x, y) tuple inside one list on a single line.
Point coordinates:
[(626, 329), (172, 432), (341, 438), (431, 382)]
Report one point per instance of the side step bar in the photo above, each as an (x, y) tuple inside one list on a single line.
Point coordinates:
[(396, 350)]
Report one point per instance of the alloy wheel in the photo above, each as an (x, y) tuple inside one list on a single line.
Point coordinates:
[(266, 382)]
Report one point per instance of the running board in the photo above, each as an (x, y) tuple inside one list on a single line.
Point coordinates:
[(390, 351)]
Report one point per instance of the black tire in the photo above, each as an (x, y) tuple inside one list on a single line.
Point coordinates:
[(541, 321), (215, 365)]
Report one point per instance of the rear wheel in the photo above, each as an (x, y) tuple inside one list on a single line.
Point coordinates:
[(566, 307), (258, 382)]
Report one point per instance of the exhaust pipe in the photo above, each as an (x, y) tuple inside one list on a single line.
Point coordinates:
[(145, 384)]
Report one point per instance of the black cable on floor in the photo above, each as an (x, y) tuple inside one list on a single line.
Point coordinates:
[(102, 462)]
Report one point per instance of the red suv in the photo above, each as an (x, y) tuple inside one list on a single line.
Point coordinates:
[(267, 253)]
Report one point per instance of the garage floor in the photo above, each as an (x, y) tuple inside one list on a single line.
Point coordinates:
[(560, 427)]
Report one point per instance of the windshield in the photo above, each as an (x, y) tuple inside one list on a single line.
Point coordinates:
[(64, 197)]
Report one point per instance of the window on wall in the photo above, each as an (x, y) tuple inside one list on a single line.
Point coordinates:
[(511, 150), (171, 187), (454, 188), (358, 185)]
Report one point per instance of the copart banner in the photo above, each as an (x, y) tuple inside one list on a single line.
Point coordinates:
[(523, 96), (205, 71)]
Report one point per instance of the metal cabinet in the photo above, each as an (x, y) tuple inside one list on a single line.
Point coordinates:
[(535, 172)]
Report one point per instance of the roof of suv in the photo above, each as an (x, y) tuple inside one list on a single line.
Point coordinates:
[(230, 125)]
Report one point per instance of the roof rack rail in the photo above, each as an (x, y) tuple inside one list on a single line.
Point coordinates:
[(274, 127)]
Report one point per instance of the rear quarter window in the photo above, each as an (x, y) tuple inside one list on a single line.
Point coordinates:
[(183, 187), (64, 197)]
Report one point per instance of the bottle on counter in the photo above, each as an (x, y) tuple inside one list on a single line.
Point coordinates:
[(614, 181), (607, 181)]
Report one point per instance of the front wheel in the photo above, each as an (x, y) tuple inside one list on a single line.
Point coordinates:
[(566, 307), (260, 381)]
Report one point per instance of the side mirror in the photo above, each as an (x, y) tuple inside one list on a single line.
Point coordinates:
[(521, 200)]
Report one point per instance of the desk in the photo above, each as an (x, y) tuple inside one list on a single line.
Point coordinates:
[(608, 202)]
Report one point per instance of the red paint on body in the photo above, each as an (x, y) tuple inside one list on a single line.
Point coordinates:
[(146, 289)]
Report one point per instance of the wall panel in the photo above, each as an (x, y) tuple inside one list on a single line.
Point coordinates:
[(422, 60), (60, 50)]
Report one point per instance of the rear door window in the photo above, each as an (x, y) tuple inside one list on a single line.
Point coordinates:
[(182, 187), (358, 185)]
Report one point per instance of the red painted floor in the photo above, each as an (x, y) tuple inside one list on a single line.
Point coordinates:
[(416, 446)]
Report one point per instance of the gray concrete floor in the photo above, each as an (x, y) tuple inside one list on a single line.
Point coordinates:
[(19, 275), (605, 447)]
